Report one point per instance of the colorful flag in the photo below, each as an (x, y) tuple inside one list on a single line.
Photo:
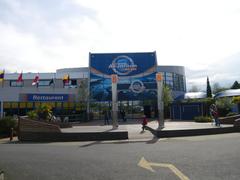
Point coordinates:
[(51, 82), (20, 79), (66, 79), (2, 75), (36, 80)]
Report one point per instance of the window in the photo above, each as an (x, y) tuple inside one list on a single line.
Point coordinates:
[(72, 84), (14, 83), (44, 82)]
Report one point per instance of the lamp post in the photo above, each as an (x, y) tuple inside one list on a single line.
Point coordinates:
[(114, 78), (159, 80)]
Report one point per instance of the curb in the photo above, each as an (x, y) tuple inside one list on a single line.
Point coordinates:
[(192, 132), (70, 137)]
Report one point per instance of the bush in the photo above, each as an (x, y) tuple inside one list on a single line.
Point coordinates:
[(203, 119), (32, 115), (6, 124), (44, 112), (224, 105), (236, 100)]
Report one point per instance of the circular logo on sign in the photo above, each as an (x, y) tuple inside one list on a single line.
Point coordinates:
[(137, 86), (123, 65)]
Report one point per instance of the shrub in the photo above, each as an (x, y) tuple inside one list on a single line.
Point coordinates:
[(203, 119), (32, 115), (44, 112), (236, 100), (224, 105), (6, 124)]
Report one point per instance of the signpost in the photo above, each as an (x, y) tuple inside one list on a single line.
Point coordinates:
[(114, 78), (159, 80)]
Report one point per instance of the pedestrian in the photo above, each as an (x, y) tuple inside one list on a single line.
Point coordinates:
[(215, 114), (144, 123), (122, 112), (211, 110), (106, 117)]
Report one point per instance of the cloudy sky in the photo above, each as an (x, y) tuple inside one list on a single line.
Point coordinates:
[(202, 35)]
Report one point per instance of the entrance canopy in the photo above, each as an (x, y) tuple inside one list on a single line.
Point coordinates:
[(228, 93)]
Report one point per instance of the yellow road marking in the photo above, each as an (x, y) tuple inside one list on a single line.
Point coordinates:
[(148, 165)]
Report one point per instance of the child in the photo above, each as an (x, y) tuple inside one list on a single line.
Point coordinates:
[(144, 123)]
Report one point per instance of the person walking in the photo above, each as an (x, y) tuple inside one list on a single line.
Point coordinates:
[(122, 112), (106, 117), (211, 110), (144, 123), (215, 114)]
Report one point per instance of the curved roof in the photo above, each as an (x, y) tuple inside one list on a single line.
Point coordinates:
[(227, 93), (192, 95)]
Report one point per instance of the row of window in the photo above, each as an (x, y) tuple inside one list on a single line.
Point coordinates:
[(32, 105), (175, 81), (44, 83)]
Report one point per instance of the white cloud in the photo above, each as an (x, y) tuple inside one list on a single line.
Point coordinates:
[(45, 35)]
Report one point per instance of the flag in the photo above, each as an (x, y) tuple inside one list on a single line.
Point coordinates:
[(66, 78), (20, 79), (51, 82), (2, 75), (36, 80)]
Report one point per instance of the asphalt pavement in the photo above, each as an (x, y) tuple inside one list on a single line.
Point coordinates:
[(201, 157)]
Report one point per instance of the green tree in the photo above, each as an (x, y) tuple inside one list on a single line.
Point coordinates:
[(44, 112), (194, 88), (209, 90), (83, 93), (217, 88), (235, 85), (224, 105), (167, 96)]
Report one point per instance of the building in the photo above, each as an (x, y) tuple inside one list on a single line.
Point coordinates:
[(64, 95)]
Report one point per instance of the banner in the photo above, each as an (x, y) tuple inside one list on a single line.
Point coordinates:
[(136, 73)]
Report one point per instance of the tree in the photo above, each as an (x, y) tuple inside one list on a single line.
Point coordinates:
[(224, 105), (209, 90), (217, 88), (194, 89), (235, 85), (167, 96), (167, 100), (83, 94), (83, 91)]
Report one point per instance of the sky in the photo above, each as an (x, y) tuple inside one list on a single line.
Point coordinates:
[(201, 35)]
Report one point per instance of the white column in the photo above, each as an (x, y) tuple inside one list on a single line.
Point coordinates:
[(114, 101), (160, 101)]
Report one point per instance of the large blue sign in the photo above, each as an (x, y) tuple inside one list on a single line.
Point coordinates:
[(136, 72), (123, 64), (47, 97)]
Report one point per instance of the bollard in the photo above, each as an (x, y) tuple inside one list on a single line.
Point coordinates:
[(11, 134)]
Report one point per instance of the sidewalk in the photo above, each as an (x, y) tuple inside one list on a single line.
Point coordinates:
[(134, 127)]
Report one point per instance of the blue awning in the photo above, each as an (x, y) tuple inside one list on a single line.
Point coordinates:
[(228, 93)]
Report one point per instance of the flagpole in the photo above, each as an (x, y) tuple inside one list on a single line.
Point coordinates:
[(54, 81), (3, 78)]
